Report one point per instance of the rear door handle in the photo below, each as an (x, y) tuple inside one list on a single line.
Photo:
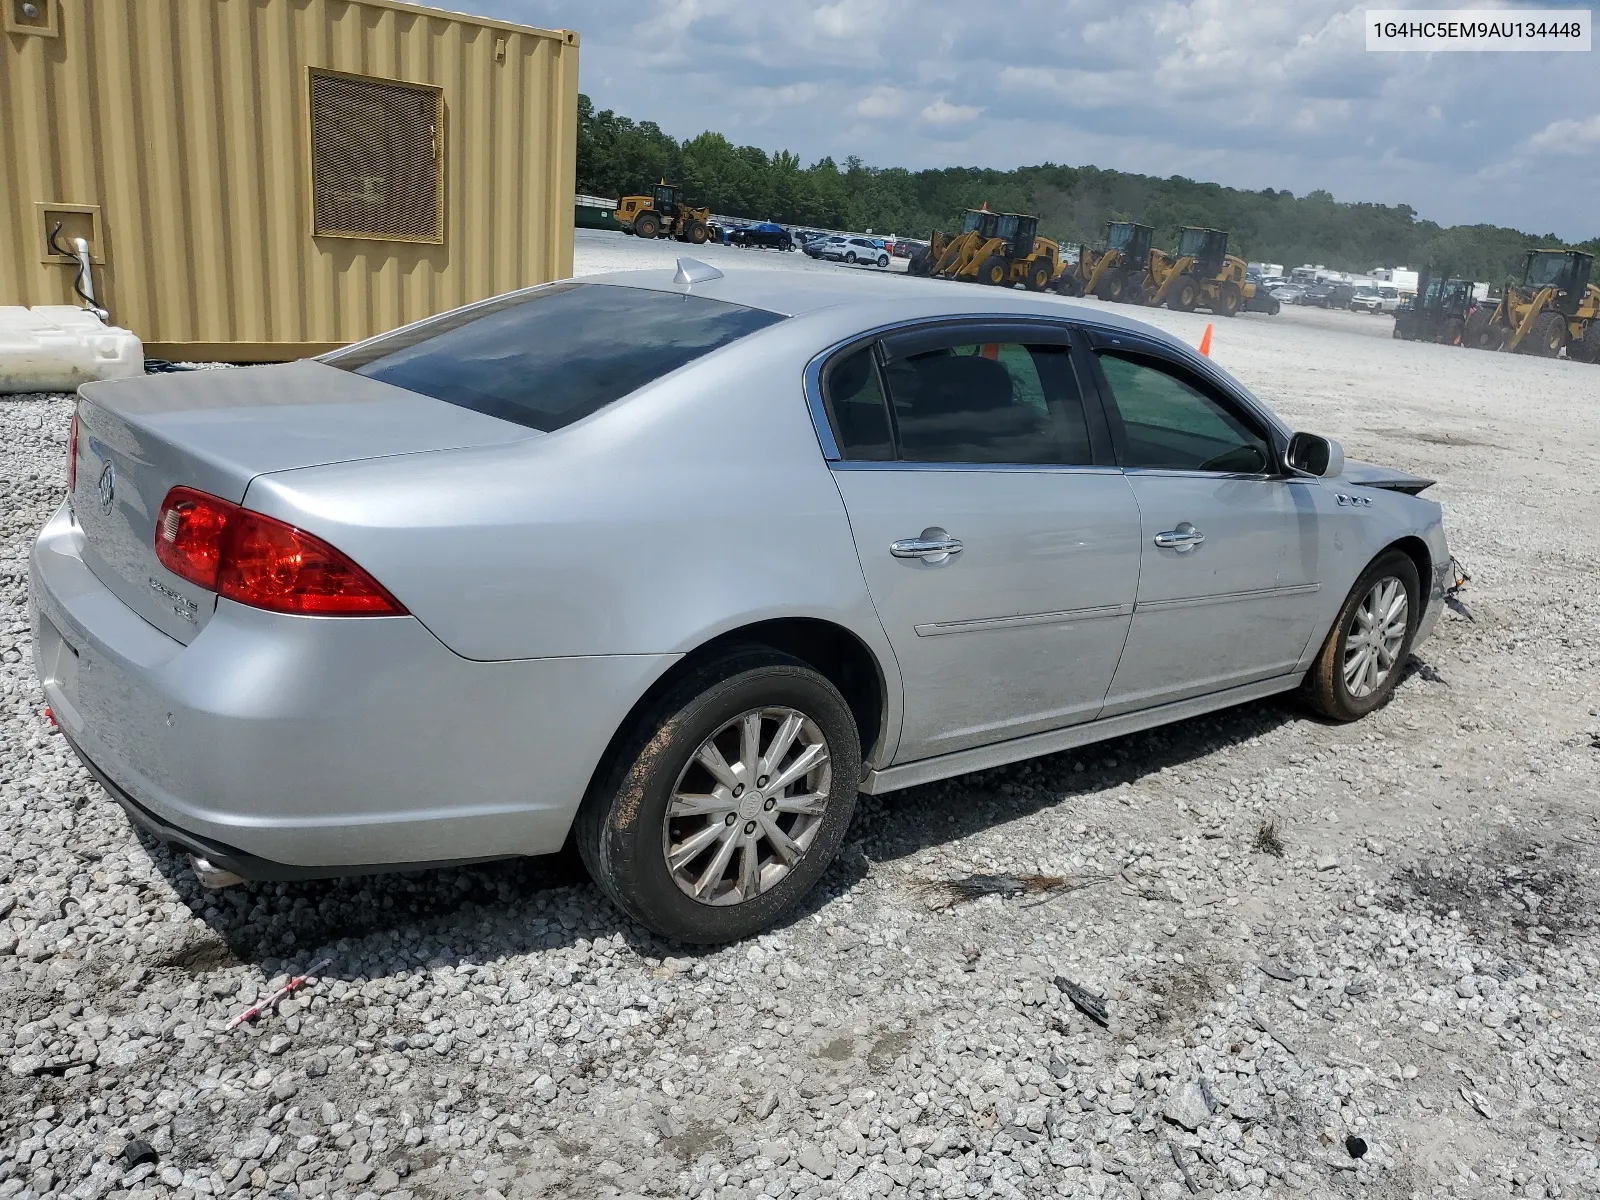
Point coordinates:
[(1182, 539), (933, 545)]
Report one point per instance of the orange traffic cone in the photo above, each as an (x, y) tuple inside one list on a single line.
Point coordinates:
[(1205, 341)]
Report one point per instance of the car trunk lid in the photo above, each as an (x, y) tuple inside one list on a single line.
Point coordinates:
[(218, 430)]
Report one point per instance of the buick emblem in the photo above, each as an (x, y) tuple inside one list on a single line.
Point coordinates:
[(107, 489)]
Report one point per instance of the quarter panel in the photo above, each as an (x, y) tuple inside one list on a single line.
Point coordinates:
[(699, 503), (325, 741)]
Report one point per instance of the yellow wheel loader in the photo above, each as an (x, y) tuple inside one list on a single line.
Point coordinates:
[(1555, 305), (1117, 272), (1200, 274), (663, 214), (999, 249)]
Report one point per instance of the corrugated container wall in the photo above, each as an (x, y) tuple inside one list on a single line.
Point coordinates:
[(266, 179)]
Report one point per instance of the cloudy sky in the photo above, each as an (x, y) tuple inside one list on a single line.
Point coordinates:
[(1250, 93)]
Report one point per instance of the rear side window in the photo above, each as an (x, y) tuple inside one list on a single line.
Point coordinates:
[(552, 356), (995, 402), (856, 408)]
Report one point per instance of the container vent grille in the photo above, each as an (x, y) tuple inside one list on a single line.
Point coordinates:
[(376, 159)]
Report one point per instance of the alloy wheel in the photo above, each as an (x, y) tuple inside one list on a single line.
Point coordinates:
[(1377, 631), (747, 807)]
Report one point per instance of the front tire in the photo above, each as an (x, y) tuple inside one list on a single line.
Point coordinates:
[(1361, 662), (1184, 296), (883, 260), (1548, 335), (694, 830)]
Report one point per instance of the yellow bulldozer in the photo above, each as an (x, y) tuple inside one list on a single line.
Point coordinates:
[(999, 249), (1555, 305), (663, 214), (1116, 272), (1200, 274)]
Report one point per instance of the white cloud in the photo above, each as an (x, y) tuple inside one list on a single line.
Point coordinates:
[(881, 102), (1251, 93), (942, 112), (1568, 136)]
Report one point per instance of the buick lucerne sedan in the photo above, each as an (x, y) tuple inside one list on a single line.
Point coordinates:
[(677, 563)]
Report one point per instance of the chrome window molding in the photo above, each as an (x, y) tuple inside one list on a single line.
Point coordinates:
[(894, 464)]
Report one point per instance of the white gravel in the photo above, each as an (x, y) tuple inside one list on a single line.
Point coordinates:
[(1418, 970)]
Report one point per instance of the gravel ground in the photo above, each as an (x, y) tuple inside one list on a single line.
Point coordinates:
[(1303, 934)]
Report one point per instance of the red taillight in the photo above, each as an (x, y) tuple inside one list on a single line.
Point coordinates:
[(72, 455), (258, 560), (189, 533)]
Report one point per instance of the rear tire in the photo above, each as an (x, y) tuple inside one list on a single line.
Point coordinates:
[(647, 225), (1361, 662), (625, 833), (1587, 348), (850, 257), (995, 271)]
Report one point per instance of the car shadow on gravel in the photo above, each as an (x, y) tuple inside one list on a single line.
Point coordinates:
[(377, 925), (904, 823), (380, 925)]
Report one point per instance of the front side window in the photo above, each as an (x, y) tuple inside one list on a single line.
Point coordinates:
[(1172, 422), (551, 356)]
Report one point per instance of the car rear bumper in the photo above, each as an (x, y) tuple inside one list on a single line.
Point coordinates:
[(281, 746)]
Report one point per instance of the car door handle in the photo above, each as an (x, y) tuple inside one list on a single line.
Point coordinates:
[(933, 545), (1182, 539)]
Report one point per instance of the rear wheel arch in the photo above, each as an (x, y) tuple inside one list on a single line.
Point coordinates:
[(832, 650)]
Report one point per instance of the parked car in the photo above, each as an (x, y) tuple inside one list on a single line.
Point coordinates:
[(1375, 300), (1328, 295), (1289, 293), (854, 250), (768, 235), (812, 242), (466, 588)]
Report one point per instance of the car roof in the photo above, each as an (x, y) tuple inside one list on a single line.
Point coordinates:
[(880, 299)]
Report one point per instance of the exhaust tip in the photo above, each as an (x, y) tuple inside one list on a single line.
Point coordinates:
[(210, 875)]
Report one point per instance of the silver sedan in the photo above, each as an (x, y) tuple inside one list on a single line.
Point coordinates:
[(678, 563)]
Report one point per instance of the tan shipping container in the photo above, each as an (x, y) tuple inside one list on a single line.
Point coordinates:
[(265, 179)]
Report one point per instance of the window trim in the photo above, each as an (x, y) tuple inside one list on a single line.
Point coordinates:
[(1132, 345), (1022, 327)]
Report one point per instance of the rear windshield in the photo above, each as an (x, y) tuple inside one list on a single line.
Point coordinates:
[(549, 357)]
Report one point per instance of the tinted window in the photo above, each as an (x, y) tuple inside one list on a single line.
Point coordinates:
[(1172, 422), (550, 357), (856, 409), (989, 403)]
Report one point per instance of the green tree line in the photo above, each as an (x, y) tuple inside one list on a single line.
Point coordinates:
[(618, 156)]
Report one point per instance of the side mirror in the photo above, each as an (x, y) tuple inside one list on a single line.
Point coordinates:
[(1309, 454)]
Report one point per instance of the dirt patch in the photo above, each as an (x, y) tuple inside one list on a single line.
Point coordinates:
[(200, 958), (838, 1050), (1515, 885)]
